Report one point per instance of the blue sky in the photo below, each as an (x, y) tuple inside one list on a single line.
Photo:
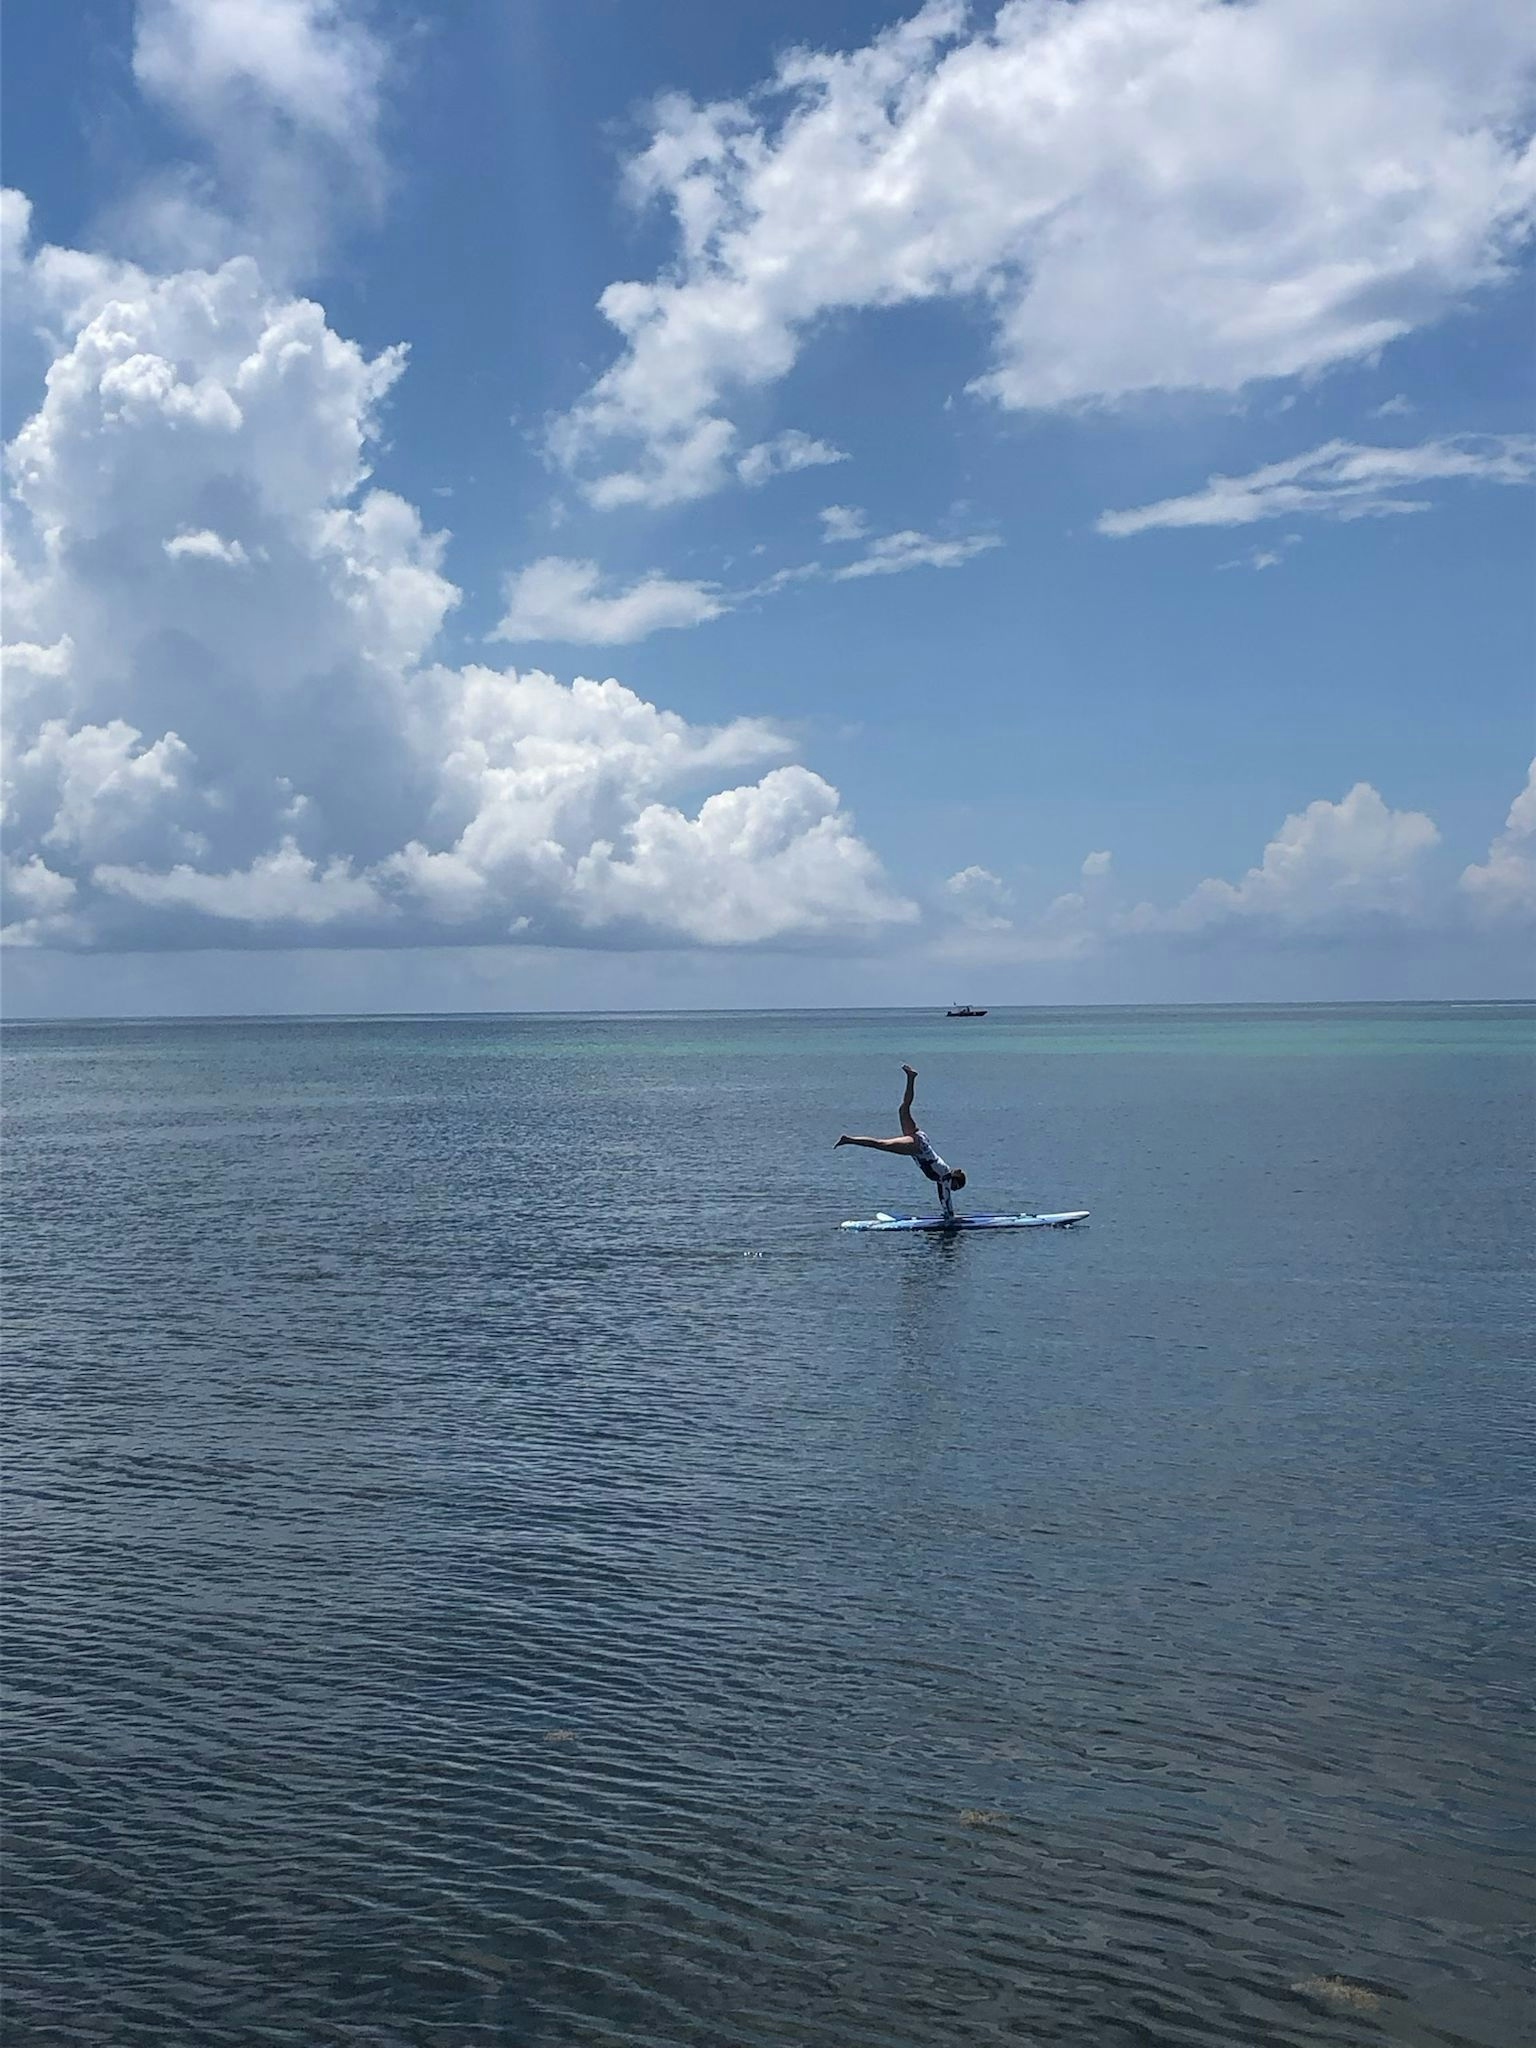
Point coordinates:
[(854, 387)]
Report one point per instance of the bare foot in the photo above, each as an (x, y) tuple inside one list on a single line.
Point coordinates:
[(841, 1141), (912, 1071)]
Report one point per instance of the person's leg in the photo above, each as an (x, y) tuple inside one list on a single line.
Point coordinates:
[(903, 1147), (908, 1121)]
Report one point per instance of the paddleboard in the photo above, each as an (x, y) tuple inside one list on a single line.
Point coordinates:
[(880, 1221)]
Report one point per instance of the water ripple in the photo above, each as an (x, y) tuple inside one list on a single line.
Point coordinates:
[(434, 1622)]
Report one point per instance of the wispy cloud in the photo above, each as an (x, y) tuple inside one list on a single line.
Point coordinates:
[(565, 599), (1263, 558), (784, 454), (1340, 480), (894, 552), (286, 99), (557, 598)]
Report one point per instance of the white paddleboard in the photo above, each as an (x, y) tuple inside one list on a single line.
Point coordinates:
[(1063, 1220)]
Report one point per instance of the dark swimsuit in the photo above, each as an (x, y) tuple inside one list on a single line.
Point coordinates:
[(931, 1164)]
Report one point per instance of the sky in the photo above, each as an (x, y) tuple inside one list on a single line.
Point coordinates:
[(571, 504)]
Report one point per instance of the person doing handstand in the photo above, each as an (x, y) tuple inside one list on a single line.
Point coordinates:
[(913, 1144)]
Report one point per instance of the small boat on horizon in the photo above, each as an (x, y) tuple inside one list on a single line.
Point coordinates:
[(964, 1010)]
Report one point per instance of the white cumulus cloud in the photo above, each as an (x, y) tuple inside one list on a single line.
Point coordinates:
[(96, 787), (842, 523), (1137, 196), (36, 902), (281, 888), (980, 899), (204, 546), (1340, 480), (766, 861), (224, 724), (49, 289), (1331, 864), (1349, 870), (1504, 885)]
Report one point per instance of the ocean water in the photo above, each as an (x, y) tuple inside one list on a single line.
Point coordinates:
[(486, 1560)]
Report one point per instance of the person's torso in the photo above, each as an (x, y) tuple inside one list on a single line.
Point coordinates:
[(928, 1159)]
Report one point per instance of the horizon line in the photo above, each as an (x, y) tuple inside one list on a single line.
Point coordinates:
[(757, 1010)]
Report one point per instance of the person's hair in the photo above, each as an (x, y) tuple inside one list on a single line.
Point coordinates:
[(957, 1178)]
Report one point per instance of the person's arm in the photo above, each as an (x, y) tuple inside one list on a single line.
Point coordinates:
[(947, 1198)]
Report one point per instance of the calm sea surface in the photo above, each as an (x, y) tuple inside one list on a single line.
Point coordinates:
[(486, 1560)]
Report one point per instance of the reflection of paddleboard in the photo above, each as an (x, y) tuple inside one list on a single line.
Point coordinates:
[(1063, 1221)]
